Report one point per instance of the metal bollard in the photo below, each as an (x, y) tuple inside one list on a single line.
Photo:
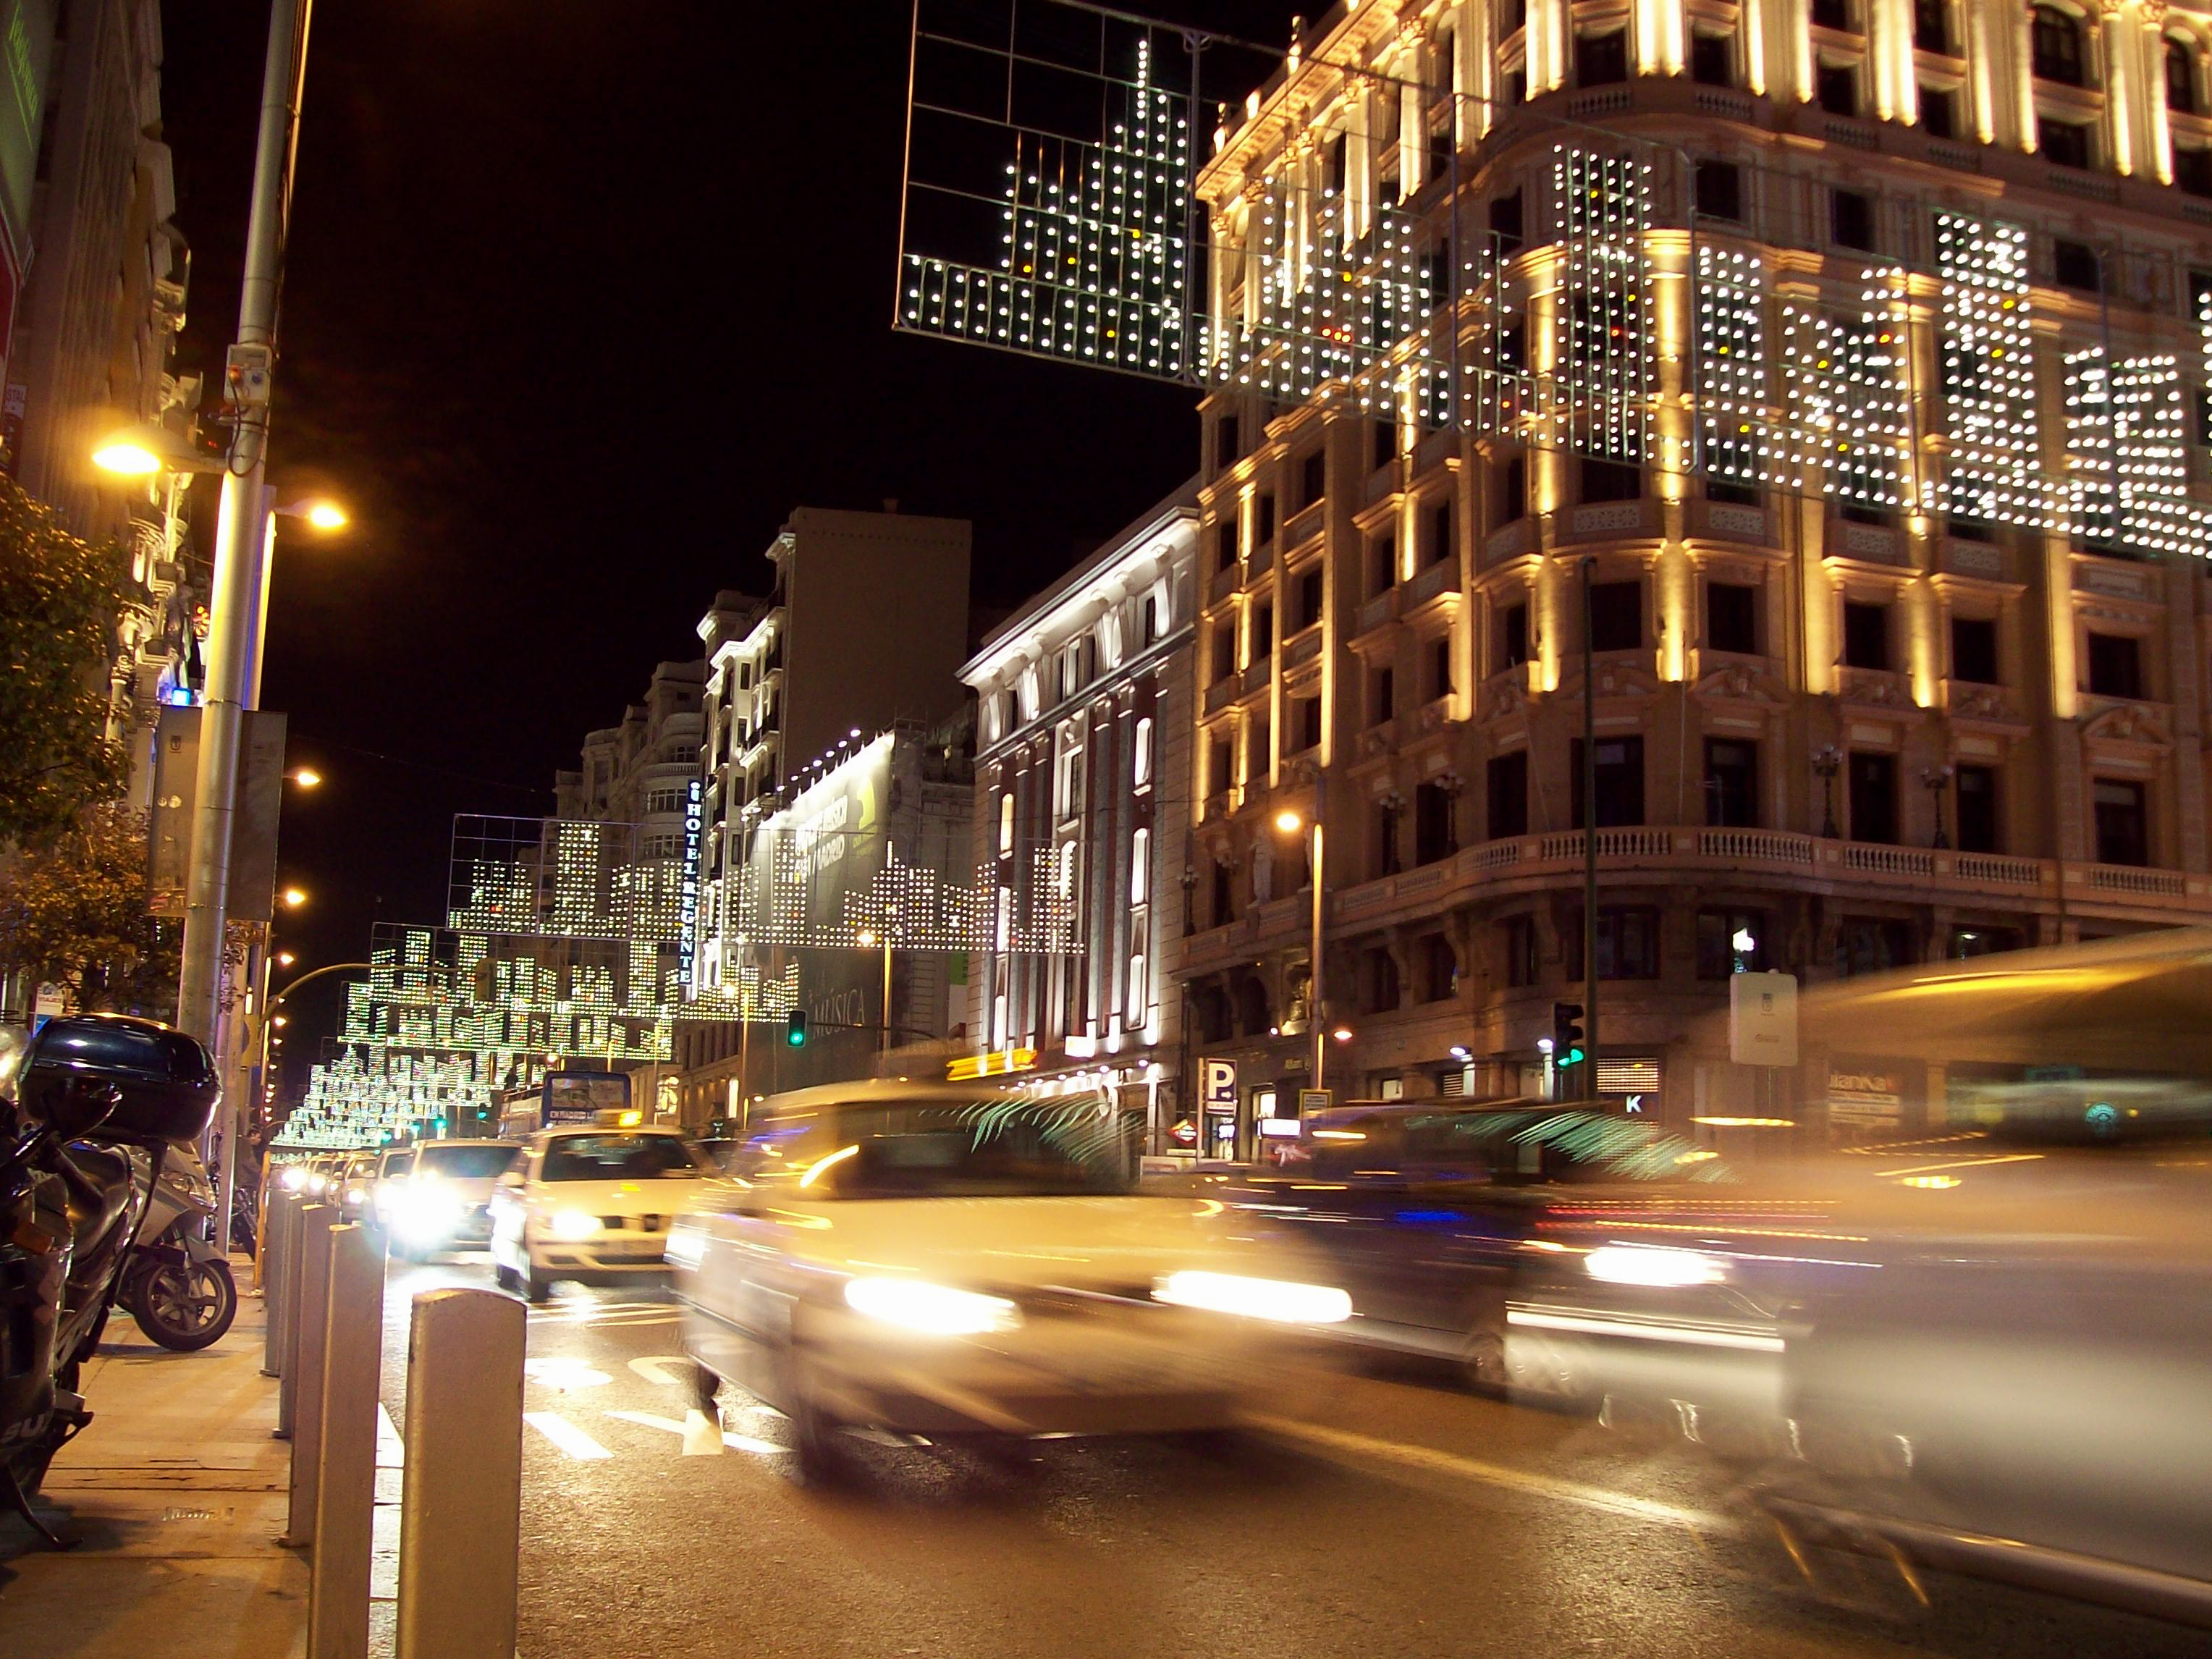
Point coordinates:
[(287, 1339), (310, 1324), (460, 1507), (279, 1225), (345, 1495)]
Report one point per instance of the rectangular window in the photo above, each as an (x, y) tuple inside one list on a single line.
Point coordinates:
[(1378, 981), (1505, 223), (1220, 761), (1619, 783), (1732, 617), (1261, 641), (1007, 824), (1382, 564), (1382, 695), (1866, 635), (1931, 26), (1610, 480), (1436, 832), (1263, 520), (1510, 502), (1836, 89), (1731, 942), (1833, 15), (1385, 823), (1141, 765), (2123, 824), (1513, 636), (1439, 968), (1141, 866), (1442, 536), (1731, 783), (1974, 650), (1438, 680), (1517, 934), (1308, 594), (1851, 219), (1602, 60), (1225, 443), (1873, 944), (1386, 444), (2063, 143), (1720, 190), (1873, 797), (1509, 795), (1712, 60), (1616, 616), (2193, 169), (1259, 759), (1939, 112), (1976, 793), (1305, 721), (1224, 650), (1627, 943), (2115, 666), (2076, 265), (1313, 478)]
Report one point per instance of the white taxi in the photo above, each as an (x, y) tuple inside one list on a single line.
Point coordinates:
[(943, 1260), (442, 1201), (593, 1204)]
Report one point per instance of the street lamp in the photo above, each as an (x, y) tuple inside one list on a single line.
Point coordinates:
[(305, 776), (1827, 761), (1938, 778), (293, 897), (285, 958), (1289, 823)]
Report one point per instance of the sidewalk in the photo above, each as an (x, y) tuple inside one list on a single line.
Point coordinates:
[(178, 1491)]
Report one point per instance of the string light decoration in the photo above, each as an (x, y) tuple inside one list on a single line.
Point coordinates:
[(1851, 398), (1986, 358), (1095, 255), (1734, 382), (2126, 437), (1599, 389)]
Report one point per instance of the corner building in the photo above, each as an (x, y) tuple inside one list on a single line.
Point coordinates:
[(1859, 348)]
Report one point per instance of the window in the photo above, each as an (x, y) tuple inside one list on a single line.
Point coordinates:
[(1141, 766), (1220, 762), (2192, 170), (1382, 695), (2123, 830), (1221, 910), (1439, 968), (1313, 478), (2115, 665), (1259, 759), (1224, 652), (1442, 541), (1610, 480), (2076, 265), (1731, 942), (1873, 797), (1225, 545), (1835, 88), (1139, 1004), (1436, 679), (1513, 348), (1517, 934), (1382, 564), (1731, 783), (1436, 831), (1333, 154), (1871, 945), (1833, 15), (1305, 723), (1141, 866), (1386, 443), (1378, 981), (1260, 640), (1931, 26), (2180, 75), (1616, 616), (1720, 190), (1225, 442), (1939, 112), (1851, 219), (1712, 60), (1308, 592), (1513, 636), (1510, 501), (1724, 489), (1619, 783), (1627, 943), (1387, 814), (1509, 794), (2063, 143), (2055, 45), (1151, 619), (1007, 824), (1602, 60), (1263, 520), (1067, 784), (1515, 17), (1732, 617), (1976, 797), (1866, 635), (1505, 223), (1515, 90), (1974, 650)]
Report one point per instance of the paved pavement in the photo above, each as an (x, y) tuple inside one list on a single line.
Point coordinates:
[(1378, 1512), (177, 1492)]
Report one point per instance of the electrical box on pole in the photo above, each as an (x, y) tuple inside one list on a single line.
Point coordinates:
[(1763, 1019)]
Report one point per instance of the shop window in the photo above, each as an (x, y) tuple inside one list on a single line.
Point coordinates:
[(1731, 941), (1731, 783), (1508, 794), (1620, 799), (2122, 822), (1873, 797)]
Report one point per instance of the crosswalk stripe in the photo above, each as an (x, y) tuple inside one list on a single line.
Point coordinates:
[(566, 1436), (744, 1442)]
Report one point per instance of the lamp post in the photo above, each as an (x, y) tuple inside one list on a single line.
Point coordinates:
[(1938, 778), (1289, 823), (1827, 761)]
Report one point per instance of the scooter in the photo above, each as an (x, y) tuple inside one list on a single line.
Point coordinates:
[(177, 1285)]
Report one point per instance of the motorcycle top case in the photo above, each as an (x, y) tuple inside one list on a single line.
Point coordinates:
[(169, 1086)]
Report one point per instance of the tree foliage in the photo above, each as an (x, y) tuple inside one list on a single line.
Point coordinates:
[(73, 912), (59, 600)]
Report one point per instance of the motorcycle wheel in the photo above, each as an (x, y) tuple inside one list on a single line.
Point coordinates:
[(184, 1308)]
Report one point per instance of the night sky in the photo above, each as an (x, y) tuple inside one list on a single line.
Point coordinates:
[(582, 299)]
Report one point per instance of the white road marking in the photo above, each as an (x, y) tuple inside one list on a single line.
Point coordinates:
[(744, 1442), (605, 1313), (1494, 1474), (566, 1436), (563, 1375), (653, 1368), (390, 1449)]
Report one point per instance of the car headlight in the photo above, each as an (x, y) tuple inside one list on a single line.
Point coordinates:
[(316, 1183), (1656, 1267), (1282, 1301), (428, 1213), (571, 1226), (355, 1194), (914, 1305), (294, 1178)]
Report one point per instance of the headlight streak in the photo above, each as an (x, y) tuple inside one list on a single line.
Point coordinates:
[(913, 1304), (1277, 1301), (1654, 1266), (814, 1171)]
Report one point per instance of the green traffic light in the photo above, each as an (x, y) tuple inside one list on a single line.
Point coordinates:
[(1572, 1057)]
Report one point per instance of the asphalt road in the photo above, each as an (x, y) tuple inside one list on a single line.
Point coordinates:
[(1380, 1511)]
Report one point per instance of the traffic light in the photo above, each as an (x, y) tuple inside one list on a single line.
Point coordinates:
[(1567, 1034), (794, 1027)]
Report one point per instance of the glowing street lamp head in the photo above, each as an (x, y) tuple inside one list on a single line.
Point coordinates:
[(285, 958), (1289, 823), (326, 515), (293, 897), (126, 457), (305, 776), (1342, 1034)]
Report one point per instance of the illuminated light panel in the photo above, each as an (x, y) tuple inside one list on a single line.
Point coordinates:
[(1850, 400), (2127, 456), (1599, 388), (1986, 363), (1733, 381)]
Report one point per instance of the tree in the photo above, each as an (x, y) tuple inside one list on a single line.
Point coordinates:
[(59, 600), (73, 912)]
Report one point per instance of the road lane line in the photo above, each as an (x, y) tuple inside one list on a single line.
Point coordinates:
[(744, 1442), (561, 1375), (1495, 1474), (566, 1436), (390, 1449), (653, 1368)]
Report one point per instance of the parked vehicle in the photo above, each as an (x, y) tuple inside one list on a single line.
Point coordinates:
[(89, 1090), (386, 1181), (177, 1285)]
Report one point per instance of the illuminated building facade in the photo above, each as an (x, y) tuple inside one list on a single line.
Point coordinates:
[(1859, 350), (1083, 706)]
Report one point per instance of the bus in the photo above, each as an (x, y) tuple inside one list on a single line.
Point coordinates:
[(561, 1097)]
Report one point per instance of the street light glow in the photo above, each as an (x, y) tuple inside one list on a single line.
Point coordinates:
[(307, 777), (127, 458), (293, 897), (1289, 822), (1342, 1034), (285, 958), (280, 1020), (327, 515)]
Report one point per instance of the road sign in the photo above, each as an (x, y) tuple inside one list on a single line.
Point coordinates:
[(1763, 1019), (1220, 1086), (1315, 1100)]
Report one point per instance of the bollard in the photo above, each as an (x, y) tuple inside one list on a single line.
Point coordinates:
[(272, 1291), (287, 1339), (310, 1322), (345, 1494), (460, 1506)]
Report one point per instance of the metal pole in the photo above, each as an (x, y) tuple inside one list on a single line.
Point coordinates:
[(345, 1498), (275, 1242), (311, 1329), (460, 1506), (288, 1339), (241, 533), (1589, 847), (887, 998), (1318, 1017)]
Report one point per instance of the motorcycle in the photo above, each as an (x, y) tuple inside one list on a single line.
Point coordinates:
[(177, 1285), (89, 1091)]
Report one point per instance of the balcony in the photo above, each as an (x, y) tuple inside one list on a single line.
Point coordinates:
[(1304, 525), (1303, 648), (1382, 608), (1611, 519), (1220, 694), (1225, 582), (1418, 589), (1257, 673), (1510, 541)]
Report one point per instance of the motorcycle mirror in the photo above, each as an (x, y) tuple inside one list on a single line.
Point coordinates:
[(82, 1104)]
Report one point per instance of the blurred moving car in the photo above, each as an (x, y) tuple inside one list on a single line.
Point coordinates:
[(591, 1204), (350, 1186), (441, 1203), (393, 1166), (942, 1260)]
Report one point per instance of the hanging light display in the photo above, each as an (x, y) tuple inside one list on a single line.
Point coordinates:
[(1599, 388), (1985, 356)]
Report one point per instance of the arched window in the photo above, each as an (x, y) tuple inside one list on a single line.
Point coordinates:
[(2180, 74), (2055, 38)]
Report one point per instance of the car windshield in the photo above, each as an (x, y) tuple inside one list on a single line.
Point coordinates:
[(618, 1158), (999, 1147), (398, 1164), (467, 1163)]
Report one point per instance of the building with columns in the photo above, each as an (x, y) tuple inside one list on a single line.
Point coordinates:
[(1855, 352), (1082, 708)]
